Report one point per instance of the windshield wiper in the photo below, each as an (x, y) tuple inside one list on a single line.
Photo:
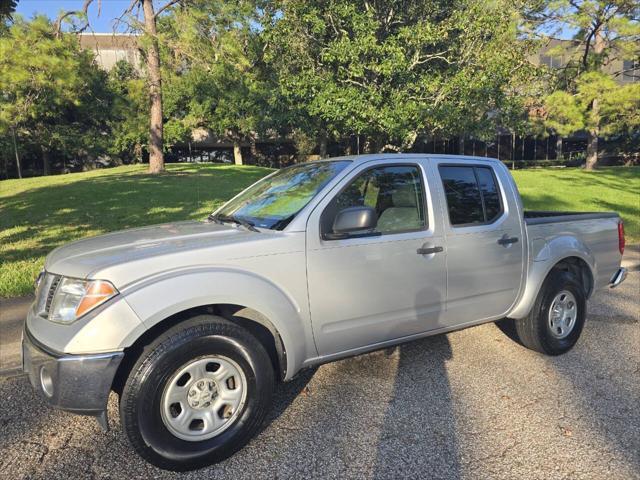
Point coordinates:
[(282, 223), (213, 218), (237, 220)]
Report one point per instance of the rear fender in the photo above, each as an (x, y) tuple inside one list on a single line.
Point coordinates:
[(545, 258)]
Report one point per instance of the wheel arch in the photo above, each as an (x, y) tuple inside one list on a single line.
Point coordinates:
[(248, 299), (578, 263), (580, 269), (252, 320)]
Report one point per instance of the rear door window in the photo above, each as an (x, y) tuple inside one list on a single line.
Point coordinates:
[(472, 194), (463, 195)]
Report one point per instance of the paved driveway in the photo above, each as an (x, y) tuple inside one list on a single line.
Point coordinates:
[(471, 404)]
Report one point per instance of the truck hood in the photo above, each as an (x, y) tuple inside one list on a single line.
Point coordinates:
[(88, 257)]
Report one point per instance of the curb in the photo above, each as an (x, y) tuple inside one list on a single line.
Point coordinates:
[(14, 372)]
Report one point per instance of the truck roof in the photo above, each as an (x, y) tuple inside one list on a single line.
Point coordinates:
[(395, 156)]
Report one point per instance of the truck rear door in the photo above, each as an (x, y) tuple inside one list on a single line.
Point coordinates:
[(484, 239)]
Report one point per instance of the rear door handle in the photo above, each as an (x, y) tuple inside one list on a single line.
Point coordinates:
[(429, 250), (507, 240)]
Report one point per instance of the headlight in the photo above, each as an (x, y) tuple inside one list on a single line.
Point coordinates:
[(73, 298)]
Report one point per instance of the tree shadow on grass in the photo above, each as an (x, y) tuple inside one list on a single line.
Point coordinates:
[(35, 221)]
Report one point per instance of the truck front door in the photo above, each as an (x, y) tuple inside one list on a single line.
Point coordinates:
[(369, 289)]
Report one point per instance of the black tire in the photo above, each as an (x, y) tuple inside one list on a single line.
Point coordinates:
[(140, 402), (534, 331)]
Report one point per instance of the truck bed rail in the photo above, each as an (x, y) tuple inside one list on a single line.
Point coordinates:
[(540, 217)]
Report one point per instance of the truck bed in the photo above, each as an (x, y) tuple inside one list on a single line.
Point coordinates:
[(592, 232), (540, 217)]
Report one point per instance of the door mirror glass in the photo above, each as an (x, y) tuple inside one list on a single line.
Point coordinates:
[(354, 220)]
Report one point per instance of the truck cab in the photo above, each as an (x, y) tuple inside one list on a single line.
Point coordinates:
[(437, 258)]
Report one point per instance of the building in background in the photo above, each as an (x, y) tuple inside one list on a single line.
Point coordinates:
[(557, 54), (109, 48)]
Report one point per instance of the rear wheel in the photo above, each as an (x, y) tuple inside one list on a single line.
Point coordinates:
[(556, 320), (197, 394)]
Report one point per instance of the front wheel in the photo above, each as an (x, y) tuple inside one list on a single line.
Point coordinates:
[(197, 394), (556, 320)]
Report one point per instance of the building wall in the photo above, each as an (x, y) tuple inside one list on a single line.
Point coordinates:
[(110, 48), (558, 53)]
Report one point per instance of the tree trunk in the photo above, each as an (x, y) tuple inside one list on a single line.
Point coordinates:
[(156, 156), (559, 155), (322, 144), (15, 148), (592, 145), (255, 154), (592, 142), (237, 152), (45, 160)]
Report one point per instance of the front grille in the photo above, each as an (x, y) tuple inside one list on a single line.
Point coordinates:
[(51, 293), (44, 294)]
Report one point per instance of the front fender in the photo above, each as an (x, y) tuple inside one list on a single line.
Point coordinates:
[(544, 258), (156, 299)]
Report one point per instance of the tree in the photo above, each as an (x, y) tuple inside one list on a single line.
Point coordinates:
[(212, 54), (391, 70), (148, 25), (585, 96), (616, 112), (51, 93), (129, 122)]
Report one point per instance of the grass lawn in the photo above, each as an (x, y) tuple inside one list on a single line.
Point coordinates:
[(608, 189), (38, 214)]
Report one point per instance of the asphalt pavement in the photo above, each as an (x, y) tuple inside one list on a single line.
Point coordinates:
[(470, 404)]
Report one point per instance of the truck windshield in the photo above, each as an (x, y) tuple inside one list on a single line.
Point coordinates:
[(274, 201)]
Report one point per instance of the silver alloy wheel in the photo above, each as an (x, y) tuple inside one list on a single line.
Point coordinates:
[(203, 398), (563, 314)]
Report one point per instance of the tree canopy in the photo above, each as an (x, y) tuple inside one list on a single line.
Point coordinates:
[(584, 94), (53, 96), (393, 69), (386, 72)]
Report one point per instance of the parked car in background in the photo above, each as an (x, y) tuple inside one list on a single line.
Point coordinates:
[(192, 323)]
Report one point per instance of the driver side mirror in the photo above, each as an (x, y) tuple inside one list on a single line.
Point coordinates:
[(353, 221)]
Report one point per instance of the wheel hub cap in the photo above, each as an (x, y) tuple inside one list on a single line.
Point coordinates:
[(203, 398), (201, 393), (563, 314)]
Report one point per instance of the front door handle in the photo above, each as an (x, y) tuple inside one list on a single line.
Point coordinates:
[(429, 250), (505, 240)]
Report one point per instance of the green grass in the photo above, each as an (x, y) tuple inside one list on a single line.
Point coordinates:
[(38, 214), (608, 189)]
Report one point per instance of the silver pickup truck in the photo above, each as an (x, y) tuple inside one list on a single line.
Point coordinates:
[(192, 323)]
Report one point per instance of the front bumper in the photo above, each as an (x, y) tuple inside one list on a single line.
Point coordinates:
[(77, 383)]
